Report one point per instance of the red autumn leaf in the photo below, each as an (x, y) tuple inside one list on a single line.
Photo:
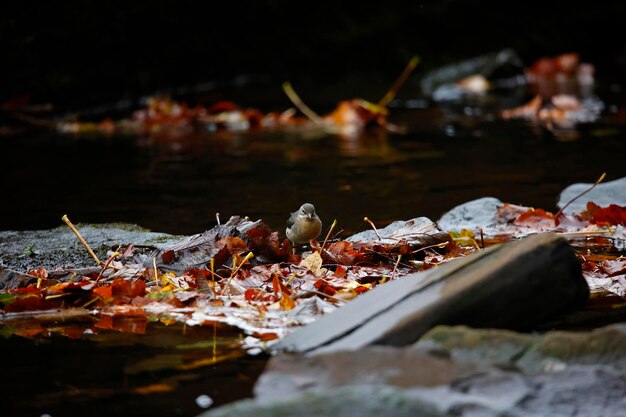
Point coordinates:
[(168, 257), (234, 245), (222, 107), (29, 303), (565, 64), (340, 271), (343, 253), (535, 218), (104, 292), (361, 289), (612, 215), (128, 288), (507, 213), (31, 289), (253, 294), (324, 287), (275, 284)]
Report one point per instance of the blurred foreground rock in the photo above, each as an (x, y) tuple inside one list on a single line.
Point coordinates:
[(452, 371)]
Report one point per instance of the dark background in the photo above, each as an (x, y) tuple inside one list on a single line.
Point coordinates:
[(81, 53)]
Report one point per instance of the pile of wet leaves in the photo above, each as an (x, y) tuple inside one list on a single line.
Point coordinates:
[(243, 275)]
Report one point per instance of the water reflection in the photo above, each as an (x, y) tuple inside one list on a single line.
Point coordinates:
[(162, 371)]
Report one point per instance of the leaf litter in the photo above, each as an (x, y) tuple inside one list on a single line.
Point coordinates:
[(243, 275)]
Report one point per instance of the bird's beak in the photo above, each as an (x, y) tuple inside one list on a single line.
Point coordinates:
[(311, 216)]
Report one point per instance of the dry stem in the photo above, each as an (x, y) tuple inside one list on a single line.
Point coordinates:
[(297, 101), (598, 181), (332, 227), (365, 219), (395, 87), (67, 221)]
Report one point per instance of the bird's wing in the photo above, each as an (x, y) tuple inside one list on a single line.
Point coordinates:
[(292, 219)]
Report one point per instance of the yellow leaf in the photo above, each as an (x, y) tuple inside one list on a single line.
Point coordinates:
[(286, 302), (313, 263)]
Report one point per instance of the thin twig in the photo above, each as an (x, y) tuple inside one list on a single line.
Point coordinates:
[(329, 232), (395, 87), (395, 267), (156, 271), (246, 259), (301, 295), (365, 219), (67, 221), (106, 265), (217, 216), (437, 245), (293, 276), (598, 181), (297, 101)]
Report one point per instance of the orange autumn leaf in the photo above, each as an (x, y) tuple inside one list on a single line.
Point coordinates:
[(286, 302), (104, 292), (535, 218)]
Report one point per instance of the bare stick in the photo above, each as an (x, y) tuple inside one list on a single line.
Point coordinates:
[(365, 219), (297, 101), (156, 271), (598, 181), (395, 267), (329, 232), (106, 265), (395, 87), (246, 259), (217, 216), (82, 240)]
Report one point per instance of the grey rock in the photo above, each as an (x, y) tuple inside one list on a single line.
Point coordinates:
[(389, 381), (60, 248), (349, 401), (472, 215), (532, 354), (420, 231), (604, 194)]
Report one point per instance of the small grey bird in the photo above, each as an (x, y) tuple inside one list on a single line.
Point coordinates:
[(303, 225)]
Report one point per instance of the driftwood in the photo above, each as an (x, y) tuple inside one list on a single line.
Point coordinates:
[(515, 285)]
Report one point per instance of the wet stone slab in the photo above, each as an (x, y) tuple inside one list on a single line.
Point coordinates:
[(59, 247), (451, 371)]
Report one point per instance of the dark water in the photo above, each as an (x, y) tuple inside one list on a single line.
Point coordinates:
[(177, 184), (165, 371)]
